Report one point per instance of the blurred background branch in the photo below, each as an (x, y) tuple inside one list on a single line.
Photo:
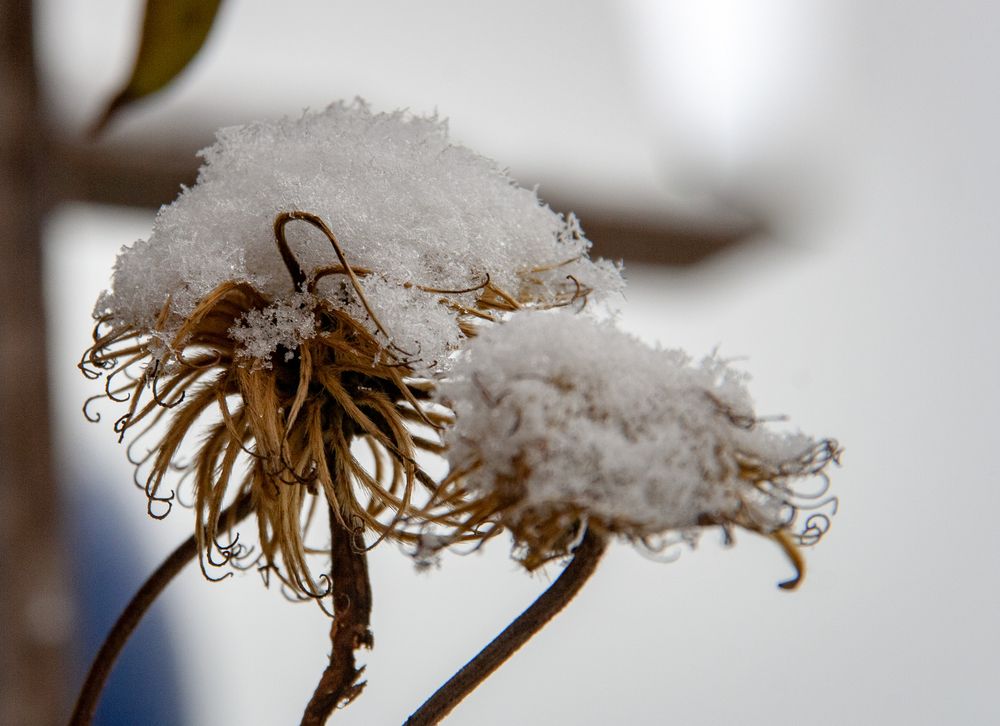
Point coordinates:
[(34, 634)]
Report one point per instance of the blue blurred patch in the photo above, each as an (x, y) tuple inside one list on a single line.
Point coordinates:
[(143, 687)]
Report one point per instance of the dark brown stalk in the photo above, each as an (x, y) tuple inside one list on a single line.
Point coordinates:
[(352, 606), (100, 669), (585, 559)]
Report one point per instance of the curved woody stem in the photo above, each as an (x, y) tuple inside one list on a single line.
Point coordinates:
[(100, 669), (585, 560), (352, 604)]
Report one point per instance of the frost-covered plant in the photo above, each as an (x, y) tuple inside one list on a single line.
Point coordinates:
[(569, 431), (562, 421), (350, 279), (304, 296), (299, 343)]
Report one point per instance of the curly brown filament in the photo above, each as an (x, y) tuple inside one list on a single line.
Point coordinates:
[(294, 268), (352, 605), (475, 288), (794, 556), (585, 560), (299, 277), (100, 669)]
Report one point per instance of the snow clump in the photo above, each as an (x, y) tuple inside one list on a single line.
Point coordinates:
[(413, 212), (560, 419)]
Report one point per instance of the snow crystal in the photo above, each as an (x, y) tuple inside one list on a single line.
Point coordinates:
[(584, 415), (412, 209), (283, 324)]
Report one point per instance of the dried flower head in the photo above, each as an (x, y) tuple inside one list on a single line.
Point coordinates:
[(561, 420), (284, 344)]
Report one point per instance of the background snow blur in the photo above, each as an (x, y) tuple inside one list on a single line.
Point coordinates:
[(863, 134)]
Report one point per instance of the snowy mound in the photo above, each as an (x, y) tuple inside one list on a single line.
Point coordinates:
[(412, 210), (559, 413)]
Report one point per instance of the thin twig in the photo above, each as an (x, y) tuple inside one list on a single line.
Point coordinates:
[(540, 612), (352, 605), (100, 669)]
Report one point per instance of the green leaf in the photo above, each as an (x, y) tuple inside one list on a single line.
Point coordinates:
[(173, 31)]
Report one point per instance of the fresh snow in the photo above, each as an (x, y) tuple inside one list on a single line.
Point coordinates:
[(404, 202), (643, 439)]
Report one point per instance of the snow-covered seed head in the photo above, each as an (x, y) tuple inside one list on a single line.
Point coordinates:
[(562, 421), (414, 213), (304, 295), (279, 428)]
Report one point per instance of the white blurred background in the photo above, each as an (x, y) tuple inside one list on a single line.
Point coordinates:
[(861, 135)]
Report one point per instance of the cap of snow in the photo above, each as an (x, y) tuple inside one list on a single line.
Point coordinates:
[(557, 412), (408, 206)]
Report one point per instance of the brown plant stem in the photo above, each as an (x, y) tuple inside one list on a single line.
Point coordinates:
[(585, 560), (100, 669), (352, 605)]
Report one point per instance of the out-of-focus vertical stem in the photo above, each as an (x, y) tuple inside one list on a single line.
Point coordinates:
[(34, 606)]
